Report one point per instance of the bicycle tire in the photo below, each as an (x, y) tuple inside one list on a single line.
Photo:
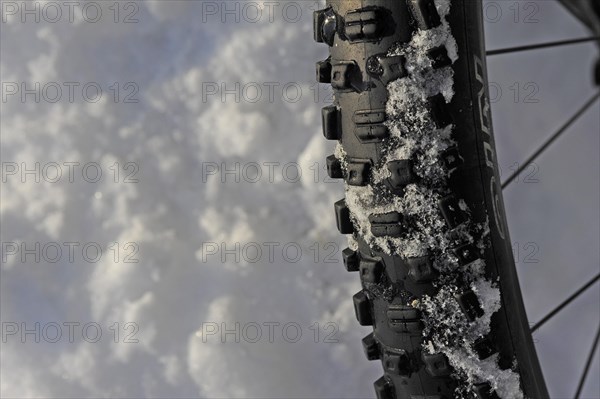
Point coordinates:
[(423, 208)]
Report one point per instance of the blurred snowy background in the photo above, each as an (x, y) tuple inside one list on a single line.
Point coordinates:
[(162, 98)]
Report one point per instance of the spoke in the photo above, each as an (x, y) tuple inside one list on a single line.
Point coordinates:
[(556, 135), (565, 303), (588, 365), (541, 45)]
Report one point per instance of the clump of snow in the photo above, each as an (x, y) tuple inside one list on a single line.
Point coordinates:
[(454, 335), (419, 207)]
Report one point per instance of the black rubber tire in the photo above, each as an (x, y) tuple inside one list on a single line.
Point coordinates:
[(360, 34)]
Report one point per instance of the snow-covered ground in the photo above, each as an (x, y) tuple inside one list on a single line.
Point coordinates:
[(167, 214)]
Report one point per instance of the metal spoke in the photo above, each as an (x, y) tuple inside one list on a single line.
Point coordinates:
[(565, 303), (541, 45), (556, 135), (588, 365)]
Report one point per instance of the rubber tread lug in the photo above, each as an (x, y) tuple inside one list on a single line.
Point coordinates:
[(363, 24), (344, 75), (397, 313), (369, 117), (342, 215), (484, 391), (372, 133), (439, 111), (436, 364), (452, 158), (439, 57), (371, 347), (484, 347), (393, 68), (384, 389), (467, 253), (371, 270), (318, 20), (404, 319), (331, 122), (351, 260), (362, 309), (409, 326), (421, 269), (387, 68), (397, 363), (325, 25), (387, 224), (334, 167), (425, 13), (469, 304), (324, 71), (369, 125), (449, 206), (402, 173), (359, 172)]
